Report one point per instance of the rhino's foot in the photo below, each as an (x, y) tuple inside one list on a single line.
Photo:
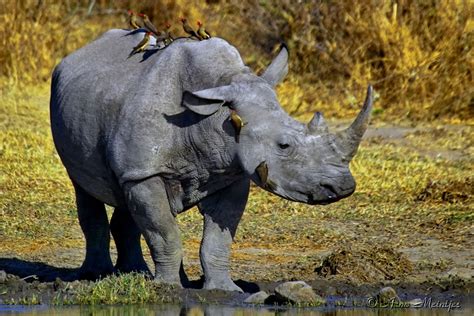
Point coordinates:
[(167, 280), (225, 284), (126, 267), (88, 272)]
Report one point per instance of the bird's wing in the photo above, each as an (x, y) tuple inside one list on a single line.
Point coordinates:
[(143, 42), (152, 28)]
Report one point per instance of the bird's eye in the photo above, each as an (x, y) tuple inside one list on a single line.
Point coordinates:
[(283, 146)]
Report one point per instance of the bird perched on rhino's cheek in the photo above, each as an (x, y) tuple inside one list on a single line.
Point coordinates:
[(237, 123)]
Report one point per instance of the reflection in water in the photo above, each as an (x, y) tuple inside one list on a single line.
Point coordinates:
[(217, 310)]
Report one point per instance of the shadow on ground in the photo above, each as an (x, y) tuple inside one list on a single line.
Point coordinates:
[(33, 270), (37, 270)]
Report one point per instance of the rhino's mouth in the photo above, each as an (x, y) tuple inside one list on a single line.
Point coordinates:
[(329, 191), (328, 194)]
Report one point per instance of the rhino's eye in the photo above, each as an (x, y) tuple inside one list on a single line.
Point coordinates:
[(283, 145)]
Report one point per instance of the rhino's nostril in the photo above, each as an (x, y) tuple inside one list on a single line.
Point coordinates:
[(329, 190)]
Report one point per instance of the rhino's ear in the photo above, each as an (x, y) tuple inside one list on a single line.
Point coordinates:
[(205, 102), (278, 69)]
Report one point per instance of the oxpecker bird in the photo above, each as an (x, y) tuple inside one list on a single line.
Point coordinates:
[(142, 45), (165, 36), (162, 38), (148, 25), (203, 34), (262, 172), (169, 36), (188, 29), (237, 123), (132, 21)]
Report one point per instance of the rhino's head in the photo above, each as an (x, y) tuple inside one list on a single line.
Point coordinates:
[(304, 163)]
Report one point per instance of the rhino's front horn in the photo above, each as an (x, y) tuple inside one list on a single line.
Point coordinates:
[(317, 125), (351, 137)]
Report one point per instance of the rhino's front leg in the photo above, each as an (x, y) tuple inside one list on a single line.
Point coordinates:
[(149, 206), (222, 212)]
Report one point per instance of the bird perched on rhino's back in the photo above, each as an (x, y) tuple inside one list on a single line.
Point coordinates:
[(187, 28), (142, 45), (148, 25), (203, 34), (169, 36), (163, 38), (166, 38), (132, 20)]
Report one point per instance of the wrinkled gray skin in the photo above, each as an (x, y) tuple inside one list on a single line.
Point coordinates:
[(151, 136)]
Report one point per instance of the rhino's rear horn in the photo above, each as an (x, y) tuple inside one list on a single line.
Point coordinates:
[(351, 137), (317, 125), (278, 68)]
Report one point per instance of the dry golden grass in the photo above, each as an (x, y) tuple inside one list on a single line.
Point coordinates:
[(418, 54)]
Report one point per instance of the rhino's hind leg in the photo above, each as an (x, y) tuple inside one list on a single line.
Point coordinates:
[(222, 212), (148, 203), (95, 226), (127, 239)]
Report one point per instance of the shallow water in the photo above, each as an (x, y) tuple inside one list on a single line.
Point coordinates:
[(132, 310)]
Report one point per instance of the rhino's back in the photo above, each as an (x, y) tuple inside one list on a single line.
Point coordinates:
[(108, 111)]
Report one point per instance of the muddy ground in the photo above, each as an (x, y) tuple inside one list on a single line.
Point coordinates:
[(429, 259), (32, 291)]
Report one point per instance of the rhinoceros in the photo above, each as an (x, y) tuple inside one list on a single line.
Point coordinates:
[(150, 135)]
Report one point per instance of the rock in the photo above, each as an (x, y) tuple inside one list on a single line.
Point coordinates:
[(297, 292), (3, 276), (387, 295), (257, 298)]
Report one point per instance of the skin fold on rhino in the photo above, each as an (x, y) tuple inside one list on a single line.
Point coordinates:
[(151, 136)]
